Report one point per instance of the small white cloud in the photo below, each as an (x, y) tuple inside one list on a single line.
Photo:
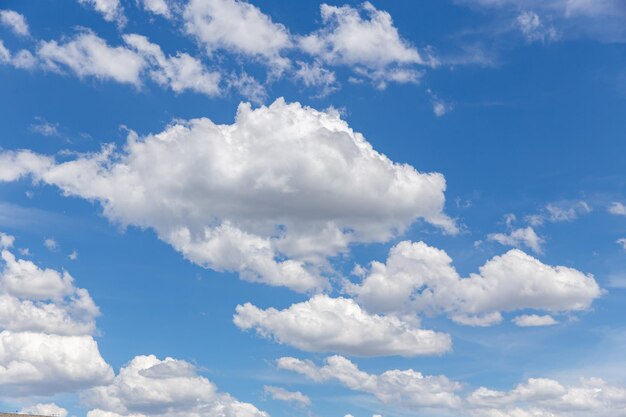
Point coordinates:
[(440, 107), (45, 410), (158, 7), (51, 244), (14, 21), (111, 10), (534, 320), (558, 212), (621, 242), (533, 29), (148, 386), (617, 208), (45, 128), (73, 256), (282, 394), (519, 238)]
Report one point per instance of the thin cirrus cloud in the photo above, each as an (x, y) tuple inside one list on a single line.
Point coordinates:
[(325, 324), (46, 328), (225, 203)]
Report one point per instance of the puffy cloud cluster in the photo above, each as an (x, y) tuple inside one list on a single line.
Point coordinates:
[(270, 196), (46, 325), (88, 55), (548, 397), (420, 278), (148, 386), (158, 7), (370, 45), (324, 324), (406, 388)]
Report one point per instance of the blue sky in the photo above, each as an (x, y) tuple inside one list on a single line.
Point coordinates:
[(228, 208)]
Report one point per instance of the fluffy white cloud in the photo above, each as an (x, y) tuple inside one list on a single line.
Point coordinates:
[(14, 21), (519, 237), (617, 208), (45, 331), (406, 388), (534, 320), (237, 27), (111, 10), (325, 324), (538, 397), (158, 7), (281, 394), (421, 278), (147, 386), (180, 72), (45, 410), (87, 55), (42, 300), (43, 364), (270, 196), (370, 44), (621, 242)]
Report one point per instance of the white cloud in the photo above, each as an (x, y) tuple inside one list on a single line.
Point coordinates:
[(315, 75), (533, 29), (406, 388), (14, 21), (419, 278), (539, 397), (15, 165), (158, 7), (181, 72), (248, 86), (46, 325), (621, 242), (23, 59), (44, 364), (111, 10), (73, 255), (237, 27), (87, 55), (51, 244), (44, 127), (281, 394), (617, 208), (371, 45), (440, 107), (148, 386), (519, 238), (534, 320), (45, 410), (324, 324), (563, 211), (270, 196)]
